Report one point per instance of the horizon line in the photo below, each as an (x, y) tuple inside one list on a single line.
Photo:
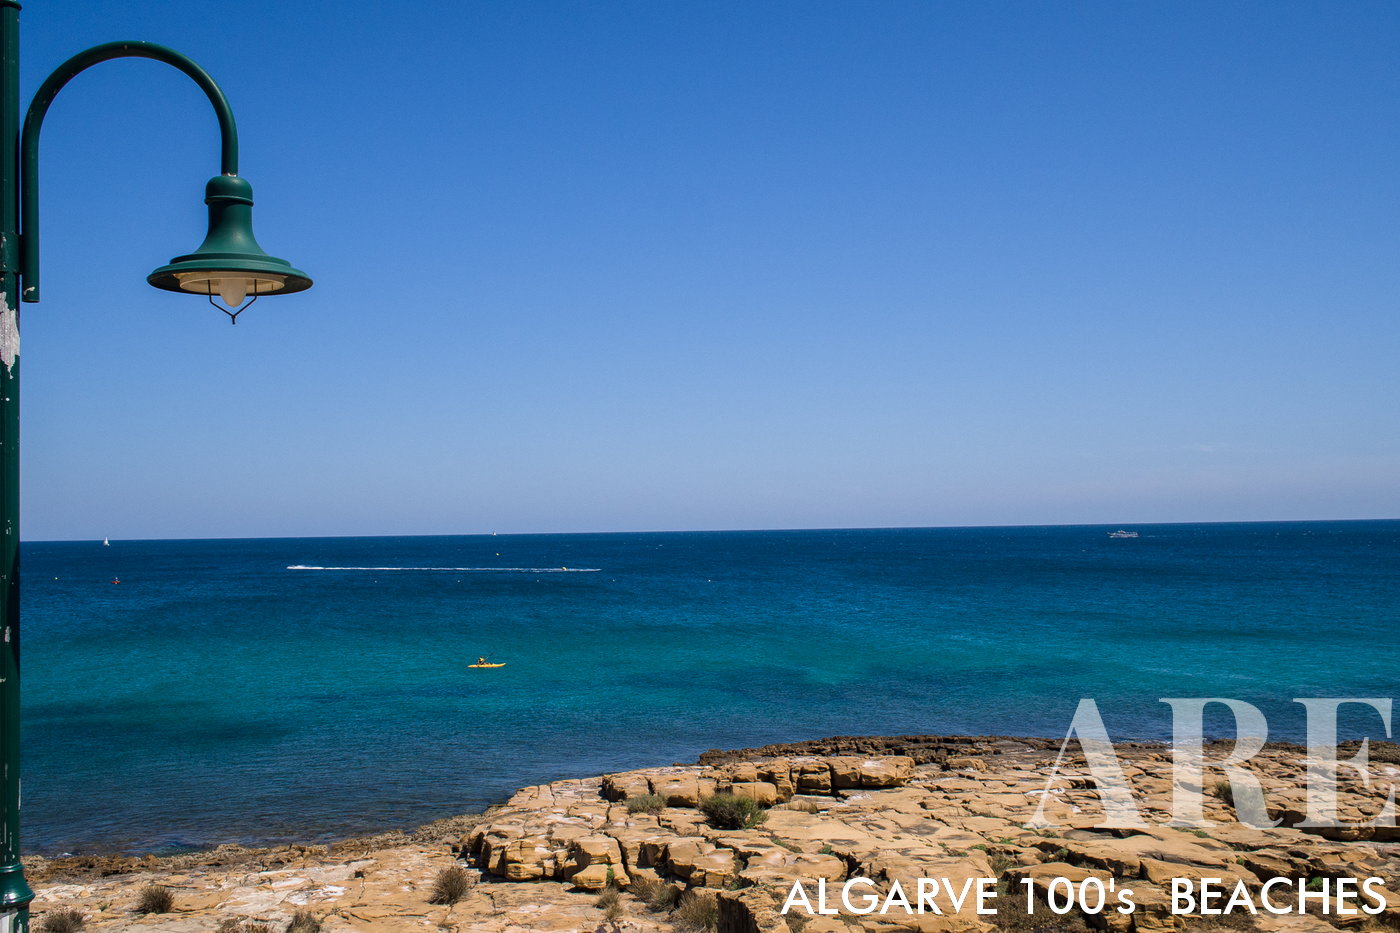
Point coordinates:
[(688, 531)]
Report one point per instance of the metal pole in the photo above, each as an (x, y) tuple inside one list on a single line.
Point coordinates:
[(15, 894), (19, 259)]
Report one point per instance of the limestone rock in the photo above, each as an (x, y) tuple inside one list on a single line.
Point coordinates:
[(761, 792), (812, 777), (886, 772), (622, 786), (678, 790), (594, 862), (886, 818), (779, 774), (752, 910)]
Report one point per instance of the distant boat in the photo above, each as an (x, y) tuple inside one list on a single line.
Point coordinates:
[(106, 543), (1120, 533)]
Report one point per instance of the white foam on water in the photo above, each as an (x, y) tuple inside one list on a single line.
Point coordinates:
[(461, 569)]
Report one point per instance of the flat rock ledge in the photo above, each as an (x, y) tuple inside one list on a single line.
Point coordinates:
[(555, 856)]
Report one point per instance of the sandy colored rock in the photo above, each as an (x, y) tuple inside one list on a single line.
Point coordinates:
[(760, 792), (812, 777), (544, 854), (677, 790), (886, 772)]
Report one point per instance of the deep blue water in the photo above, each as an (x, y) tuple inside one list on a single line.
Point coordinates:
[(215, 695)]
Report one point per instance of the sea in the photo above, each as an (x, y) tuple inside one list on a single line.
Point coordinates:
[(182, 694)]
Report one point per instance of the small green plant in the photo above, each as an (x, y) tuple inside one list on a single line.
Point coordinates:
[(1315, 883), (450, 885), (66, 920), (1199, 832), (657, 895), (827, 850), (646, 803), (304, 921), (1225, 791), (1061, 854), (697, 912), (726, 811), (155, 899), (1000, 862), (610, 903)]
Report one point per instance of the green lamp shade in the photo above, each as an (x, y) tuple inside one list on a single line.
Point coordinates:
[(229, 263)]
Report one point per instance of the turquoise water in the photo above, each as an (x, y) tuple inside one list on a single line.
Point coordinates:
[(216, 695)]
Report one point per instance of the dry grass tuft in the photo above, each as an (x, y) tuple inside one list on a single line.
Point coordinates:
[(304, 921), (647, 803), (657, 895), (155, 899), (450, 885), (697, 913), (65, 920)]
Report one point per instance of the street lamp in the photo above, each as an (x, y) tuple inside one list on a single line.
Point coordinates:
[(228, 265)]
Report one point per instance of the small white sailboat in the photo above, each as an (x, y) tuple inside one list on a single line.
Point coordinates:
[(106, 543)]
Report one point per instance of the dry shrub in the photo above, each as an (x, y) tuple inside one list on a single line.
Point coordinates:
[(450, 885), (155, 899), (304, 921), (727, 811), (610, 903), (657, 895), (65, 920), (698, 913), (646, 803)]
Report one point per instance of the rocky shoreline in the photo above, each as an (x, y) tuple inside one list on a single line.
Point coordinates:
[(923, 749), (647, 851)]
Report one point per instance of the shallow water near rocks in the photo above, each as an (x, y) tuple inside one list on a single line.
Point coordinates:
[(216, 694)]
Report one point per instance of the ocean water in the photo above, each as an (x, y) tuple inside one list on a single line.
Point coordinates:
[(270, 690)]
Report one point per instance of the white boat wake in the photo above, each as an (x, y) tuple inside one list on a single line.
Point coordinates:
[(461, 569)]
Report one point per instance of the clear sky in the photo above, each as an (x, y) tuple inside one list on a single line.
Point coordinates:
[(594, 266)]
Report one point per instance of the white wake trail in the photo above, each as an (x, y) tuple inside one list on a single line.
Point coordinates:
[(460, 569)]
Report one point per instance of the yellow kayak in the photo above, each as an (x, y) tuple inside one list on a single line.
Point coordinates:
[(501, 664)]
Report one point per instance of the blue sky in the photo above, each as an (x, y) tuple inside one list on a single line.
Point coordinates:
[(627, 266)]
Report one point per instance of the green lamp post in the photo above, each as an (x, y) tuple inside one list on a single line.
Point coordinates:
[(228, 266)]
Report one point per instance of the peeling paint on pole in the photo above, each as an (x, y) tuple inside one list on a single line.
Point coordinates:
[(9, 333)]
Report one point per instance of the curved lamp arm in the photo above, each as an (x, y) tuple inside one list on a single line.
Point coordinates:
[(34, 119)]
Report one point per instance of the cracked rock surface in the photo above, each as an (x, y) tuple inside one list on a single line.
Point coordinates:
[(954, 809)]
